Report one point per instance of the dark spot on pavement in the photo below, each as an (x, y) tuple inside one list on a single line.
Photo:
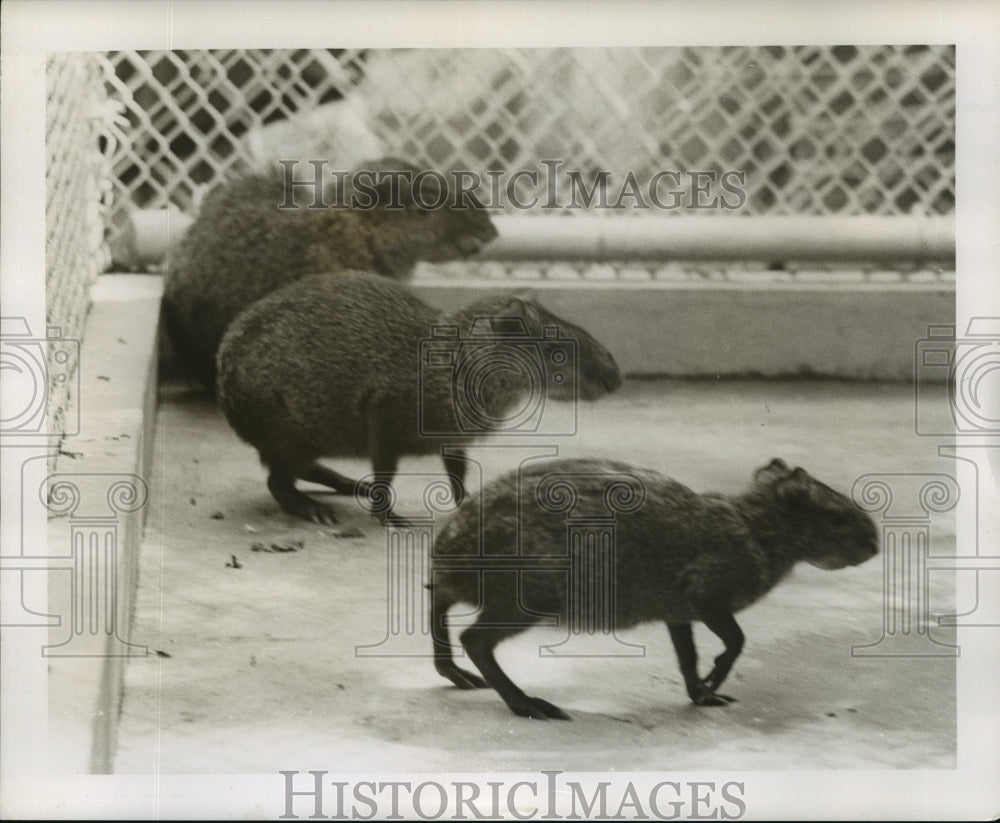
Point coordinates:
[(277, 548)]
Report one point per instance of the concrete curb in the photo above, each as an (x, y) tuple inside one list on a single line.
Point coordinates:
[(842, 330), (97, 522), (855, 331)]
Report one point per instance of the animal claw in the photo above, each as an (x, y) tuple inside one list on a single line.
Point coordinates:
[(538, 709), (707, 698)]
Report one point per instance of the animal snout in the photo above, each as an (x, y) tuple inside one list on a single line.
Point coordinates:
[(613, 380), (600, 382), (869, 546), (866, 550), (870, 550), (469, 245)]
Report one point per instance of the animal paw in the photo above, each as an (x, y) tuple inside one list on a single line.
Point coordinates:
[(538, 709), (318, 513), (705, 697)]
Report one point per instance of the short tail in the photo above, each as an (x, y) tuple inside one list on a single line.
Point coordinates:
[(440, 636)]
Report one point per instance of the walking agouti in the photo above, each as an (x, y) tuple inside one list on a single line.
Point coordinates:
[(678, 557), (242, 247), (351, 364)]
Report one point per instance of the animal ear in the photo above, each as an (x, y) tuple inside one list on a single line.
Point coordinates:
[(528, 319), (531, 313), (795, 486), (520, 304), (775, 470), (392, 173)]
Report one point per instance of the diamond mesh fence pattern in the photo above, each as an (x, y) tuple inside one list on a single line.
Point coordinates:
[(79, 121), (815, 129)]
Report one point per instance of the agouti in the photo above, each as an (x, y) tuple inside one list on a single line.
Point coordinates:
[(353, 364), (677, 557), (242, 246)]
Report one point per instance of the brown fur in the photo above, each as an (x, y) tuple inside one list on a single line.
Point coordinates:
[(242, 247), (330, 366), (679, 557)]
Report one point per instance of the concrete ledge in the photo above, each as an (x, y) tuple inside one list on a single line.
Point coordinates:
[(97, 501), (848, 330), (865, 331), (595, 237), (148, 235)]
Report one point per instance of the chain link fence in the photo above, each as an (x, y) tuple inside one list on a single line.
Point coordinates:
[(79, 122), (812, 130), (816, 130)]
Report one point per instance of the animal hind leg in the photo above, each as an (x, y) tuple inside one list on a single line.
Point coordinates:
[(444, 661), (193, 360), (479, 642), (385, 460)]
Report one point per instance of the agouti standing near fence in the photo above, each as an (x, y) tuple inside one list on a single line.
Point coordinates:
[(242, 246)]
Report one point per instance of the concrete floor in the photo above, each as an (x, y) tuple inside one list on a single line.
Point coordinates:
[(256, 666)]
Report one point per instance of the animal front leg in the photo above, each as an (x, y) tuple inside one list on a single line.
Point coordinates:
[(318, 473), (384, 455), (700, 691), (455, 466), (724, 625)]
